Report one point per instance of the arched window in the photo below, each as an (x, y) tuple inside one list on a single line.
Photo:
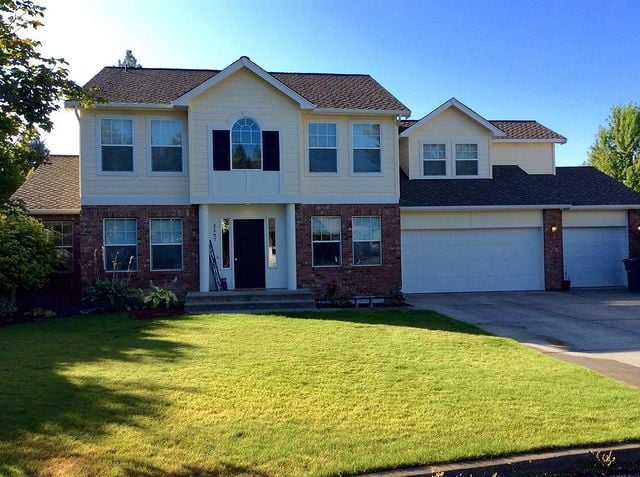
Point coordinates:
[(246, 145)]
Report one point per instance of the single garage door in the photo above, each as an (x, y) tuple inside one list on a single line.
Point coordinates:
[(593, 256), (490, 259)]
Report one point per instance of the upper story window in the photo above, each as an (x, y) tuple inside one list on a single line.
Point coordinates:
[(166, 146), (466, 159), (323, 152), (434, 159), (116, 145), (366, 148), (246, 145)]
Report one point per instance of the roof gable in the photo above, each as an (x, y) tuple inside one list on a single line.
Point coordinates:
[(453, 103)]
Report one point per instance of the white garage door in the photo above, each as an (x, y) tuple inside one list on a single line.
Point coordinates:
[(593, 256), (472, 260)]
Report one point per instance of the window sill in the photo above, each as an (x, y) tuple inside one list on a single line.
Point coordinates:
[(366, 174), (117, 173), (326, 266), (166, 174), (167, 270)]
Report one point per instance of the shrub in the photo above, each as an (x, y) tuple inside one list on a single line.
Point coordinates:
[(6, 309), (112, 295), (158, 297)]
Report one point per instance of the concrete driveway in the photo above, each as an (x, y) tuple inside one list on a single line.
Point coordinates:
[(595, 328)]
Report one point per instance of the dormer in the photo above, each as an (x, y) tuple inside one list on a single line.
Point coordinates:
[(452, 141)]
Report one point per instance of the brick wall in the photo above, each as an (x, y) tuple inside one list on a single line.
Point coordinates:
[(634, 235), (91, 237), (553, 253), (351, 280)]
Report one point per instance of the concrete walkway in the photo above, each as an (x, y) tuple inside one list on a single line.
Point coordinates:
[(595, 328)]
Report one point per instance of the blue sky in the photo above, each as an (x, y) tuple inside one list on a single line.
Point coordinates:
[(563, 63)]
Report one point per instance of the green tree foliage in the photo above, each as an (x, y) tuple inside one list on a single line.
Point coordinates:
[(27, 253), (616, 150), (31, 88), (129, 61)]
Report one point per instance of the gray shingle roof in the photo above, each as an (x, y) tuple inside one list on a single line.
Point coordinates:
[(163, 85), (54, 185), (511, 185), (513, 129)]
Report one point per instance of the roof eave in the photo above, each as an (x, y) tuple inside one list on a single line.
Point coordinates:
[(454, 208), (53, 211), (542, 140), (116, 105), (385, 112)]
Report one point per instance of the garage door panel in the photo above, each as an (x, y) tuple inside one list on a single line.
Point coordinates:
[(472, 260), (593, 256)]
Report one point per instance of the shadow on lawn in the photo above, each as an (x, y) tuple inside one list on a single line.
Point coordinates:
[(221, 470), (43, 411), (428, 320)]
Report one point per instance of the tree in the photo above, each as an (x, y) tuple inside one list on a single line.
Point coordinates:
[(616, 150), (31, 88), (129, 61), (27, 253)]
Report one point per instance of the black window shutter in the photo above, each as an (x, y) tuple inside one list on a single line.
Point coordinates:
[(221, 150), (271, 151)]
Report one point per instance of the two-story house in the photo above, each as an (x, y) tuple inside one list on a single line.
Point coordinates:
[(299, 180)]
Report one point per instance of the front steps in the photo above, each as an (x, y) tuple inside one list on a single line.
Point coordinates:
[(249, 301)]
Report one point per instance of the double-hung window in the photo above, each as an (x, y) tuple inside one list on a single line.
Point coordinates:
[(367, 241), (64, 243), (116, 145), (166, 244), (166, 145), (466, 159), (326, 241), (367, 155), (323, 152), (120, 245), (434, 160)]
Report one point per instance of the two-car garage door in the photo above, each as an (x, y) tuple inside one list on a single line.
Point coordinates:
[(472, 251)]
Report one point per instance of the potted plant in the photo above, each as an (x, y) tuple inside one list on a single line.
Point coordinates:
[(566, 284)]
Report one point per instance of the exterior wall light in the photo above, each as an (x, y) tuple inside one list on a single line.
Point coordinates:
[(554, 228)]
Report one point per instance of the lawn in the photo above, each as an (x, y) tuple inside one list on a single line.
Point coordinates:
[(301, 394)]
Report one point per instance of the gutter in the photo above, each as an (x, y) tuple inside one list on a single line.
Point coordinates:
[(53, 211), (137, 106), (485, 207), (391, 112)]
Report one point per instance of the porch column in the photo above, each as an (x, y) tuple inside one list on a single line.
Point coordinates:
[(292, 281), (203, 234)]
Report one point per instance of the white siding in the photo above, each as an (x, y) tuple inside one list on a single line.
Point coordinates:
[(138, 188), (534, 158), (404, 154), (450, 127)]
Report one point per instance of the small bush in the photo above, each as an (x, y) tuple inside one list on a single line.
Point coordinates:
[(6, 309), (158, 297), (112, 295)]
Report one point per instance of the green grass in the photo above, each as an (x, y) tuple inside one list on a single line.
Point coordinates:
[(302, 394)]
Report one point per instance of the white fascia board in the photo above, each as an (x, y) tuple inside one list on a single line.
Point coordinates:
[(136, 106), (53, 211), (134, 200), (245, 200), (453, 102), (461, 208), (378, 112), (550, 140), (606, 207), (242, 62)]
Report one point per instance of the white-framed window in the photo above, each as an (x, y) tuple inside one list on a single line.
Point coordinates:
[(120, 245), (166, 244), (271, 229), (116, 145), (466, 159), (323, 147), (326, 241), (367, 241), (367, 153), (64, 243), (167, 153), (434, 160), (246, 145)]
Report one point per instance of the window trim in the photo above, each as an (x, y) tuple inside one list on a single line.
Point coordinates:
[(151, 245), (99, 170), (308, 171), (339, 265), (104, 245), (50, 224), (353, 242), (352, 171), (455, 160), (423, 160), (246, 116), (149, 146)]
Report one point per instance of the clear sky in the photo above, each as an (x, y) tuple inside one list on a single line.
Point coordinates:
[(563, 63)]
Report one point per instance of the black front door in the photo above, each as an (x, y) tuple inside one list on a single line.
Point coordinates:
[(248, 252)]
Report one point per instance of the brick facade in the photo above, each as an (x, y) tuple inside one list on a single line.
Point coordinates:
[(634, 233), (553, 251), (91, 239), (350, 280)]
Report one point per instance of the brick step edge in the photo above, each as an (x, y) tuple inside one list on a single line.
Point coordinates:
[(528, 464)]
